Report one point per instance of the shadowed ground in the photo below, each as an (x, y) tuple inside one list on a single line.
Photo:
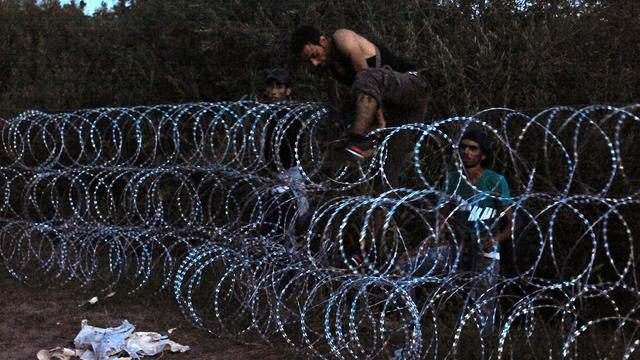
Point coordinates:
[(35, 318)]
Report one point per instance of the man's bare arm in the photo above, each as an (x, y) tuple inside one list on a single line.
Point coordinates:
[(331, 87)]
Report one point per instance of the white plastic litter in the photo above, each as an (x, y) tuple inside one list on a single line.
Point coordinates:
[(95, 299), (122, 343), (293, 180)]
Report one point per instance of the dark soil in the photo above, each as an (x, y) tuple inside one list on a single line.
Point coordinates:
[(35, 318)]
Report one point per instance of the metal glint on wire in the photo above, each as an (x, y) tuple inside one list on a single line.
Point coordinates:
[(198, 198)]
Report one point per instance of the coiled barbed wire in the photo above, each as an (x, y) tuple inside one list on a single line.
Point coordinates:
[(198, 197)]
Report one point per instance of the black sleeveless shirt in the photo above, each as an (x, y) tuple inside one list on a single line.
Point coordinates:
[(387, 58)]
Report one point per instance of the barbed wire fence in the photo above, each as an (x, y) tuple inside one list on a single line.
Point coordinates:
[(192, 199)]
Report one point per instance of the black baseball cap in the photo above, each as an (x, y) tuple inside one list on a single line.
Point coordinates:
[(279, 75)]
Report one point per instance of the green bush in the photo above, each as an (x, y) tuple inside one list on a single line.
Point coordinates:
[(475, 55)]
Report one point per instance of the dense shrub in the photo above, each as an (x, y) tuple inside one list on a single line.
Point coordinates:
[(477, 54)]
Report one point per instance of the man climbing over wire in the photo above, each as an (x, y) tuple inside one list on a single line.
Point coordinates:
[(387, 90)]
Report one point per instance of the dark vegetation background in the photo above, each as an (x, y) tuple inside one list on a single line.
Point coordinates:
[(477, 54), (525, 55)]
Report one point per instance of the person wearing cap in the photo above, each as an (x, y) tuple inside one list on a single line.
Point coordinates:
[(279, 153), (387, 89), (477, 206), (278, 85)]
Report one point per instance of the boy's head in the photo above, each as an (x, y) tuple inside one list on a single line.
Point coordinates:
[(475, 148), (278, 85)]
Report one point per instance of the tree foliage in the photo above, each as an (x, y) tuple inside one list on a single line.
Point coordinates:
[(476, 54)]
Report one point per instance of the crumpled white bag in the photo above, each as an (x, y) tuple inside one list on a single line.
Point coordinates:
[(94, 343)]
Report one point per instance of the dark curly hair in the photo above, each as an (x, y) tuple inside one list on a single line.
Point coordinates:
[(302, 36), (484, 141)]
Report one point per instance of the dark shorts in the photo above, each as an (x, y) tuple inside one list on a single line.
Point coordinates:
[(403, 96)]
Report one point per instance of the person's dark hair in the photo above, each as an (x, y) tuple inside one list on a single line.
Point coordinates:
[(302, 36), (483, 141)]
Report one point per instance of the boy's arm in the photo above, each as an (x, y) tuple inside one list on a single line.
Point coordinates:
[(507, 216), (504, 234)]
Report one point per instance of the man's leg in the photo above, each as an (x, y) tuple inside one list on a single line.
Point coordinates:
[(383, 88), (366, 111), (359, 146), (404, 95), (484, 292), (367, 89)]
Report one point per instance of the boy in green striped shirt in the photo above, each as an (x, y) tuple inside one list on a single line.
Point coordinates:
[(477, 201)]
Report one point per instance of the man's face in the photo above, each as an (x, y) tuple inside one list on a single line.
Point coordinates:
[(317, 55), (471, 153), (274, 91)]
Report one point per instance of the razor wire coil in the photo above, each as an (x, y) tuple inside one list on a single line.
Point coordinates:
[(198, 198)]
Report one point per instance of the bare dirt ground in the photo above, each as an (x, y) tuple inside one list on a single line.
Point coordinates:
[(39, 318)]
